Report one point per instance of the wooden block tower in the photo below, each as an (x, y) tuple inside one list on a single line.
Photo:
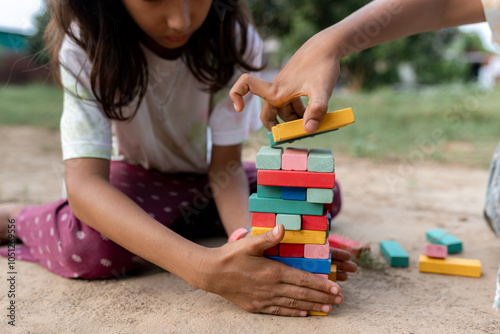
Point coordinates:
[(295, 189)]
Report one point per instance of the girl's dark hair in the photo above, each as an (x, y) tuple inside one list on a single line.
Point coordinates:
[(111, 38)]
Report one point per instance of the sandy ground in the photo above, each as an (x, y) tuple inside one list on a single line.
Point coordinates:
[(381, 201)]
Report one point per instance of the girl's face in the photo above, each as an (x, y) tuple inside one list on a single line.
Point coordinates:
[(168, 24)]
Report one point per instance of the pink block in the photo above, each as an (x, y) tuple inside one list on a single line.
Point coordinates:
[(294, 159), (317, 251), (315, 223), (437, 251), (354, 247), (323, 275)]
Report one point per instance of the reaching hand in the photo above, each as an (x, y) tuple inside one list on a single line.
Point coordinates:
[(241, 274), (341, 258), (311, 72)]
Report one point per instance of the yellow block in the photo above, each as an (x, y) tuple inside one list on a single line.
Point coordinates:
[(450, 266), (316, 313), (295, 129), (333, 273), (296, 237)]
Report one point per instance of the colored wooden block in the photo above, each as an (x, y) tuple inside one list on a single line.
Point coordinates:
[(291, 250), (289, 222), (440, 237), (332, 276), (317, 251), (273, 251), (273, 143), (319, 195), (296, 237), (354, 247), (394, 253), (328, 206), (317, 266), (294, 158), (295, 129), (320, 160), (318, 223), (263, 219), (276, 205), (294, 193), (436, 251), (450, 266), (317, 313), (268, 191), (291, 178), (269, 158)]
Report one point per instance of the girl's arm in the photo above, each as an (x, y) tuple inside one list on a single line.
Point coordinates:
[(236, 271), (314, 68)]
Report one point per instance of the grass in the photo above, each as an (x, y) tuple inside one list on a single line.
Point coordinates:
[(36, 105), (451, 123)]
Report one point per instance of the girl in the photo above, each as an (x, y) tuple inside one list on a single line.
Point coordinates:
[(146, 71), (314, 68)]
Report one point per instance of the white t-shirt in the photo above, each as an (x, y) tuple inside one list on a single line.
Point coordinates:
[(172, 130)]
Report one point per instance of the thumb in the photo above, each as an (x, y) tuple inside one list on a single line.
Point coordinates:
[(267, 240), (315, 111)]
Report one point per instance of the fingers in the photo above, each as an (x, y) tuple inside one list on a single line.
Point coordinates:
[(258, 244), (340, 254), (304, 279), (295, 308), (316, 110), (268, 115), (247, 83)]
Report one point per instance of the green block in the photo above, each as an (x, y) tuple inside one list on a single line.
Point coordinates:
[(268, 191), (440, 237), (319, 195), (290, 222), (276, 205), (320, 160), (269, 158), (394, 254)]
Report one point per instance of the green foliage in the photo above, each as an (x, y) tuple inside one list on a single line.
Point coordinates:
[(36, 46), (436, 57)]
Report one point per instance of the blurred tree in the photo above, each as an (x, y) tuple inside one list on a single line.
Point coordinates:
[(36, 46), (435, 56)]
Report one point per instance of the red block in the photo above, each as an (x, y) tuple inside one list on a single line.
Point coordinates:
[(329, 206), (285, 178), (273, 251), (354, 247), (262, 219), (316, 223), (437, 251), (291, 250)]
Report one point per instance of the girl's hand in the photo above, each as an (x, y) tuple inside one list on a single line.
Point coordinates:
[(341, 257), (240, 273), (312, 71)]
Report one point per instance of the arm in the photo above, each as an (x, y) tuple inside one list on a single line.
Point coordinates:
[(236, 271), (314, 68)]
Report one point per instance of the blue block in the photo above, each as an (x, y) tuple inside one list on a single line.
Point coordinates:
[(440, 237), (295, 193), (316, 266), (394, 254)]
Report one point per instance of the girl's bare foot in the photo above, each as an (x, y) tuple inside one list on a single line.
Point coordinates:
[(7, 212)]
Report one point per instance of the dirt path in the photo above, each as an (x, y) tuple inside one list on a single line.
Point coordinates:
[(381, 201)]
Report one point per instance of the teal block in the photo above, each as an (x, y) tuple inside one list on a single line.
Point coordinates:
[(269, 158), (276, 205), (273, 143), (394, 254), (268, 191), (440, 237), (320, 160), (319, 195), (290, 222)]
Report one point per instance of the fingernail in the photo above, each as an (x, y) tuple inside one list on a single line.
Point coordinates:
[(312, 125), (335, 290), (337, 300), (303, 313), (276, 232), (325, 308), (234, 105)]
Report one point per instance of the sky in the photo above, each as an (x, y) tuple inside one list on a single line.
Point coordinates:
[(18, 15)]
